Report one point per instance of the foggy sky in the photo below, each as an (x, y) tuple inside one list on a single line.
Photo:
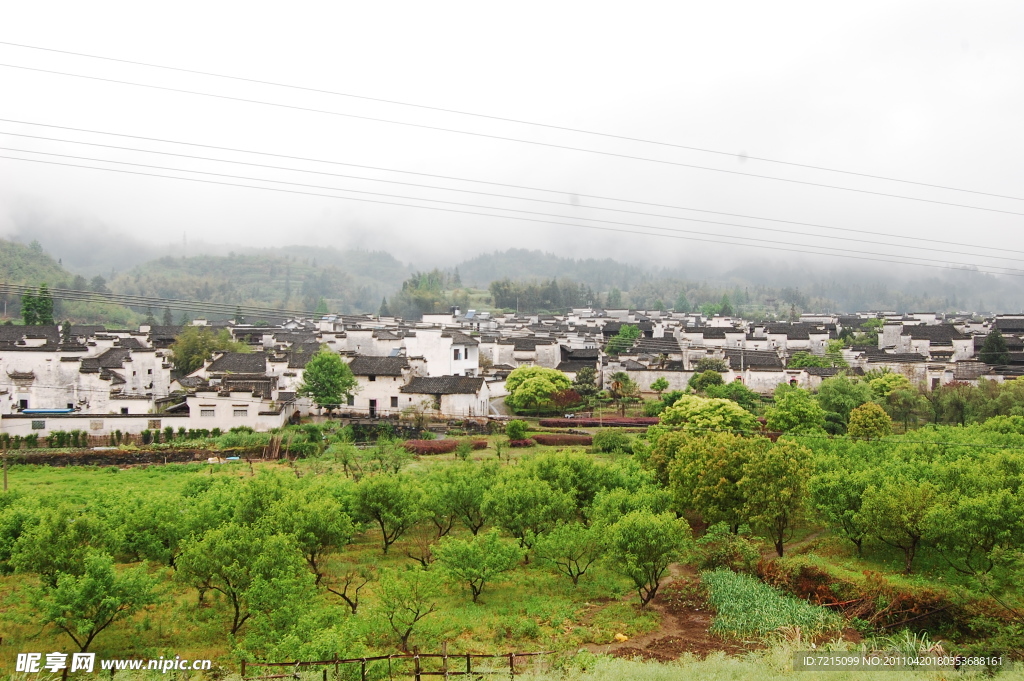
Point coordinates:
[(927, 91)]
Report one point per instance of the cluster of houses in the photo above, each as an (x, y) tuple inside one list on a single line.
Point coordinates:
[(450, 365)]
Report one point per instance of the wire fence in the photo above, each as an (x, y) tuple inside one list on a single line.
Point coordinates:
[(413, 665)]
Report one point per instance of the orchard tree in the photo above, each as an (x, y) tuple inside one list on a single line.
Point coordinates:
[(897, 513), (586, 382), (887, 382), (623, 390), (390, 501), (478, 560), (841, 395), (570, 549), (83, 605), (317, 522), (774, 487), (701, 381), (642, 545), (795, 411), (526, 507), (404, 598), (870, 422), (242, 564), (327, 379), (693, 413)]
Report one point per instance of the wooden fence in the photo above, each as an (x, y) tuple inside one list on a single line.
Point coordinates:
[(451, 665)]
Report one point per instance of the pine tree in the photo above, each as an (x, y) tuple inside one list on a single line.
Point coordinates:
[(384, 311), (168, 319), (457, 280), (29, 309), (321, 308), (682, 304), (44, 306), (994, 350), (150, 320), (726, 306)]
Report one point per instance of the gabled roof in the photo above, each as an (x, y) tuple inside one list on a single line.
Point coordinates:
[(940, 333), (444, 385), (762, 359), (362, 365), (239, 363), (574, 366), (459, 338)]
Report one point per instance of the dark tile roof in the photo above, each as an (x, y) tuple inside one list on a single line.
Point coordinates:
[(573, 366), (129, 343), (880, 357), (657, 346), (299, 355), (940, 333), (112, 358), (384, 334), (581, 354), (1010, 325), (753, 358), (363, 365), (527, 344), (459, 338), (444, 385), (257, 386), (239, 363)]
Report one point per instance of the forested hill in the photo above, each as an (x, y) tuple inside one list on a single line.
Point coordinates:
[(295, 277), (30, 265), (521, 264)]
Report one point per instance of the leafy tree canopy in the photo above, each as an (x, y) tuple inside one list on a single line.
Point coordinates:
[(327, 379), (994, 350), (196, 344)]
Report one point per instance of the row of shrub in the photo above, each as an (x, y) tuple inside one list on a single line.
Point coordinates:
[(439, 446), (597, 423), (525, 442), (16, 442), (559, 439)]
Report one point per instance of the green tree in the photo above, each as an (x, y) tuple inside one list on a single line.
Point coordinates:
[(694, 413), (836, 495), (682, 303), (516, 429), (526, 507), (841, 395), (478, 560), (242, 564), (897, 512), (969, 530), (737, 392), (725, 306), (147, 527), (585, 383), (704, 473), (795, 411), (623, 390), (994, 350), (614, 299), (83, 605), (623, 340), (317, 522), (887, 382), (57, 543), (384, 311), (463, 488), (869, 421), (168, 319), (196, 344), (710, 364), (390, 501), (659, 386), (404, 598), (327, 379), (904, 405), (29, 309), (321, 308), (65, 333), (799, 360), (642, 545), (774, 487), (570, 549), (44, 306), (700, 382), (533, 387)]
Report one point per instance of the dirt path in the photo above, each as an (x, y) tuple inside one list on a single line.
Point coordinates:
[(685, 620)]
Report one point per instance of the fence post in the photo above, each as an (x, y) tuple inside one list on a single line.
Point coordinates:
[(416, 666), (362, 669), (512, 665), (469, 665), (337, 667), (243, 669), (444, 658)]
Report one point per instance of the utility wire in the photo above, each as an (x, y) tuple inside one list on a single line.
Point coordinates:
[(503, 138), (501, 184), (510, 120), (480, 193), (148, 301), (844, 254), (527, 212)]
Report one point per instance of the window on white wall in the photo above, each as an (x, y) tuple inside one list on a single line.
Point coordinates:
[(208, 413), (240, 412)]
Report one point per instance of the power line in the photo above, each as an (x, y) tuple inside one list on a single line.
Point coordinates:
[(149, 301), (516, 210), (504, 138), (844, 254), (511, 120), (498, 184), (479, 193)]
